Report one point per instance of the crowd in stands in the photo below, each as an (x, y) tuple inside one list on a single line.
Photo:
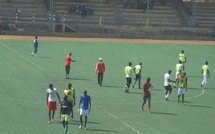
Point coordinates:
[(141, 4), (81, 9)]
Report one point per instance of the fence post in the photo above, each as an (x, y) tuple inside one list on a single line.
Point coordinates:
[(33, 17)]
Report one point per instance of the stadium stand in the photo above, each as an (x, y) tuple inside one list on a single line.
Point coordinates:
[(158, 16), (62, 8), (205, 13), (27, 8)]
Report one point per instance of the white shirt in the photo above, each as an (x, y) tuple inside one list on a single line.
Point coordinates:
[(166, 79), (52, 94)]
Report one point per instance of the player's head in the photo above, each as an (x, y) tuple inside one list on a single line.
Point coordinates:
[(140, 63), (35, 37), (170, 71), (129, 63), (65, 97), (70, 53), (206, 62), (148, 79), (182, 51), (100, 59), (69, 85), (50, 86), (179, 62), (85, 92)]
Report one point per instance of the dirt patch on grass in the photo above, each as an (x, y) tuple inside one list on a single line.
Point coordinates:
[(13, 37)]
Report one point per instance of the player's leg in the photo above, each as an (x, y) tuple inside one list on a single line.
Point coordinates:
[(149, 104), (35, 52), (98, 78), (85, 122), (66, 68), (49, 112), (129, 83), (102, 74), (179, 94), (126, 85), (139, 81), (72, 110), (166, 93), (182, 94), (203, 81), (134, 82), (81, 123), (54, 107), (66, 124), (183, 66), (144, 102), (206, 80)]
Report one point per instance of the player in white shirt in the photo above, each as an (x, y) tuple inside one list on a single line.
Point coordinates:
[(51, 101), (205, 74), (167, 85)]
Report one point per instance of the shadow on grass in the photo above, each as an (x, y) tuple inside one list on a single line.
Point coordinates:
[(90, 122), (195, 76), (189, 105), (112, 86), (102, 130), (194, 88), (45, 57), (80, 79), (163, 113)]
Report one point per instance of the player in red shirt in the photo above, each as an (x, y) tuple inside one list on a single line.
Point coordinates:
[(147, 87), (68, 60), (100, 69)]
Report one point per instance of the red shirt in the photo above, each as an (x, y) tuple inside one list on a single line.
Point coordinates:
[(146, 86), (100, 67), (67, 60)]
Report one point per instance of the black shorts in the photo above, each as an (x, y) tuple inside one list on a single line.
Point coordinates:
[(168, 88), (138, 76), (128, 79)]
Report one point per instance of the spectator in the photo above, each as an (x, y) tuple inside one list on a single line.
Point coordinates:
[(17, 13), (132, 3), (125, 2), (91, 9), (151, 4), (9, 26), (72, 9), (144, 7), (163, 2), (84, 11), (79, 9)]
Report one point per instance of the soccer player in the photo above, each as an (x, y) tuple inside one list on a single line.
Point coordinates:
[(35, 47), (128, 74), (68, 60), (147, 87), (100, 69), (178, 70), (205, 75), (65, 107), (181, 86), (137, 71), (51, 101), (182, 56), (167, 85), (70, 93), (84, 107)]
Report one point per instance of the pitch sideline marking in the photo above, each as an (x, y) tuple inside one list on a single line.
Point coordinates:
[(65, 84)]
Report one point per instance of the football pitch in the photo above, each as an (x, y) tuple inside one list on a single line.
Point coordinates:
[(24, 80)]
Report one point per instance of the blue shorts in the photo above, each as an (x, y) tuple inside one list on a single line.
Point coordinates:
[(145, 97)]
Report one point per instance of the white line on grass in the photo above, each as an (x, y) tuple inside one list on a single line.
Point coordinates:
[(66, 84)]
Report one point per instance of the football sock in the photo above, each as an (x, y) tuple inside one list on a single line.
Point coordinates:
[(65, 129)]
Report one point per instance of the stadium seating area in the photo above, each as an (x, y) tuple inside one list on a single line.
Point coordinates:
[(62, 7), (158, 16), (205, 13), (27, 8)]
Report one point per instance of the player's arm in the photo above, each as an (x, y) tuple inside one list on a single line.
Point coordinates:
[(96, 68), (208, 73), (202, 72), (104, 67), (74, 97), (186, 83), (185, 56), (132, 73), (58, 97), (60, 110), (47, 96), (79, 104), (171, 80), (90, 106), (72, 60)]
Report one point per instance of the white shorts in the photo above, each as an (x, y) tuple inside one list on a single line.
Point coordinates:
[(205, 78), (84, 112), (177, 74), (181, 91)]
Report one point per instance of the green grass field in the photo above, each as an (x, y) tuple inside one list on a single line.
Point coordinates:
[(24, 80)]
